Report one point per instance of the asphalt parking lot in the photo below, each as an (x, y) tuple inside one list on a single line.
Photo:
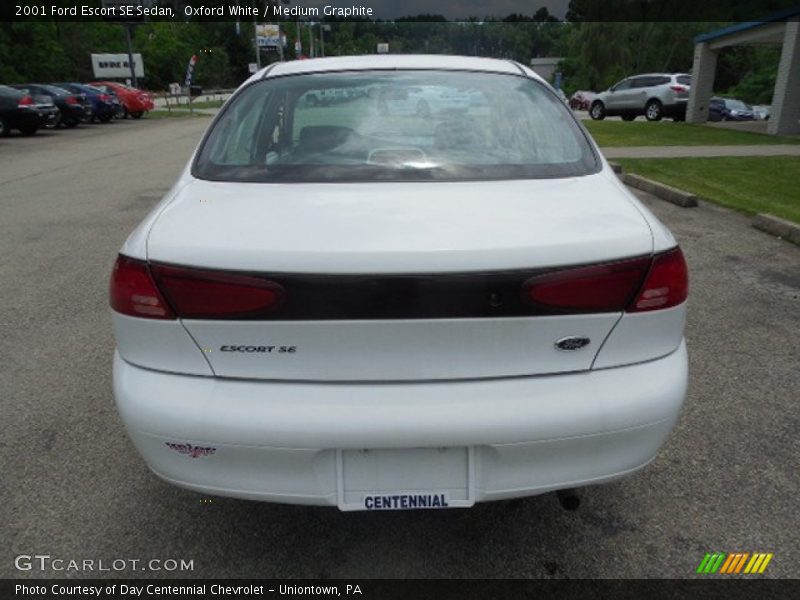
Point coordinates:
[(72, 486)]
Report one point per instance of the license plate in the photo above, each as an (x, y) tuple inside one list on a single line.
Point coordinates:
[(405, 479)]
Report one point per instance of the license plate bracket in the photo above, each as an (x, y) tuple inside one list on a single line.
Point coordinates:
[(405, 479)]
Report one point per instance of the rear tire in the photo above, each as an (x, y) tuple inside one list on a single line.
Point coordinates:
[(70, 124), (653, 111), (105, 118), (137, 114), (597, 111)]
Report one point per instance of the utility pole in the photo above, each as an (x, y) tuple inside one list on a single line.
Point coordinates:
[(255, 41), (128, 27)]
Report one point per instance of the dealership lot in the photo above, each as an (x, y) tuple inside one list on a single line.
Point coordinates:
[(72, 486)]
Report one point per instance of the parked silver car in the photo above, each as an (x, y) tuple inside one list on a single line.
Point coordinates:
[(654, 95)]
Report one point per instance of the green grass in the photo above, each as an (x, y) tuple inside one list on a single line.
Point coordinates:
[(208, 104), (173, 114), (752, 184), (197, 105), (669, 133)]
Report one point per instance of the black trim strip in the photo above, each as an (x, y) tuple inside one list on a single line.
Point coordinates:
[(463, 295), (519, 67)]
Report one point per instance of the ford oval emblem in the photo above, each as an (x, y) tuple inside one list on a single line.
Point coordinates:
[(572, 342)]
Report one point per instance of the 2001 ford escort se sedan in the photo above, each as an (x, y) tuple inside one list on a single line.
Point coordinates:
[(340, 305)]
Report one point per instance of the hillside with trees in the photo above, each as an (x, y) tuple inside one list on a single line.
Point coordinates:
[(596, 54)]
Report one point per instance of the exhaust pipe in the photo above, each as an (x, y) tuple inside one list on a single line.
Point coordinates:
[(568, 499)]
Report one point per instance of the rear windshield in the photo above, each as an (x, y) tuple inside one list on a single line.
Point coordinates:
[(736, 105), (684, 79), (394, 125), (57, 91), (8, 92)]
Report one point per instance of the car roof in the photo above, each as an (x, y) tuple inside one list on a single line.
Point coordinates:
[(394, 61)]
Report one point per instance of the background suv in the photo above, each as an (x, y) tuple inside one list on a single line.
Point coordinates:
[(655, 96)]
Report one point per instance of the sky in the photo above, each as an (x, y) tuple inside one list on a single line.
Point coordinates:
[(452, 9)]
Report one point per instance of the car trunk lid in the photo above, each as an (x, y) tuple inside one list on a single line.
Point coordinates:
[(405, 281)]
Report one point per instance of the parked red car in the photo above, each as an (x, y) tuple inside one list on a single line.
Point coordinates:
[(136, 102)]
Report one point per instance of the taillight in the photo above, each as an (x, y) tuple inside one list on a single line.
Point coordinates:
[(635, 285), (596, 288), (201, 294), (71, 100), (25, 101), (678, 88), (134, 293), (667, 283)]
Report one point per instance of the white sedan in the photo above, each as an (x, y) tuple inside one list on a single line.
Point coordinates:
[(396, 313)]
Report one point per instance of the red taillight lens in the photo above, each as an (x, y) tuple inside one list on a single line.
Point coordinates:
[(25, 101), (666, 285), (636, 285), (133, 292), (678, 88), (200, 294), (597, 288), (71, 100)]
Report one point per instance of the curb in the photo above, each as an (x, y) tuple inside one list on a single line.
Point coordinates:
[(665, 192), (778, 227)]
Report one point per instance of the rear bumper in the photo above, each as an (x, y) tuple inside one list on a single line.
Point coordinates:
[(24, 119), (50, 117), (104, 109), (279, 441), (70, 112), (136, 105)]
